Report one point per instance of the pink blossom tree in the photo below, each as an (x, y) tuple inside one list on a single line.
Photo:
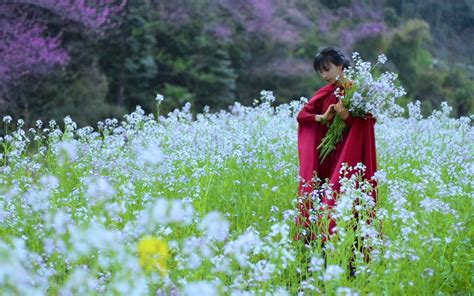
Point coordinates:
[(28, 47)]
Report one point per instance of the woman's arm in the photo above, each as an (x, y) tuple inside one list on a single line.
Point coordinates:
[(315, 107), (308, 114), (344, 113)]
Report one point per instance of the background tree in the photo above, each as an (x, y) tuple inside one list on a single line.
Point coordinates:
[(39, 39)]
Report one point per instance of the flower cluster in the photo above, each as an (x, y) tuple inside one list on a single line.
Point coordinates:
[(363, 94)]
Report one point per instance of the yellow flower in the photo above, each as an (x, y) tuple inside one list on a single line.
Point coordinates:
[(153, 254)]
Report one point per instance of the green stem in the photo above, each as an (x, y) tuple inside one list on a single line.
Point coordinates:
[(332, 137)]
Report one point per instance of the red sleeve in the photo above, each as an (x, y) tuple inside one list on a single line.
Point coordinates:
[(306, 115), (315, 105)]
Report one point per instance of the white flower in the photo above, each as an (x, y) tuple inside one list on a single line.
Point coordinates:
[(7, 119), (242, 246), (155, 213), (333, 272), (38, 199), (344, 291), (382, 58), (99, 190), (49, 182), (16, 270), (316, 264), (60, 222), (199, 289), (267, 96), (215, 226), (69, 148), (181, 212), (69, 124), (159, 98), (263, 270), (221, 264), (151, 154)]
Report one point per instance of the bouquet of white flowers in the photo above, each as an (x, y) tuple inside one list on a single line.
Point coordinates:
[(363, 94)]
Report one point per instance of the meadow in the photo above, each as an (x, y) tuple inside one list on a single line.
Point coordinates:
[(205, 205)]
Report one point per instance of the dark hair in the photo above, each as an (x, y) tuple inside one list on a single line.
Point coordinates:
[(327, 55)]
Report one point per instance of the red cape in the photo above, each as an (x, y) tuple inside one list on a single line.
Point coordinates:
[(357, 145)]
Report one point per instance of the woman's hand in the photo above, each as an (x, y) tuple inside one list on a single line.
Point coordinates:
[(341, 110), (330, 113)]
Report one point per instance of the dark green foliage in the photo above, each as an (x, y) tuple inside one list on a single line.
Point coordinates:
[(426, 79), (180, 61), (127, 57), (370, 47), (193, 67), (408, 51), (80, 94), (391, 17), (457, 87), (83, 98), (334, 4)]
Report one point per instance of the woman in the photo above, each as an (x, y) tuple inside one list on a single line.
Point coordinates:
[(357, 145)]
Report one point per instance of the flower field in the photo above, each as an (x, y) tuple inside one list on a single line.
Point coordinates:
[(206, 206)]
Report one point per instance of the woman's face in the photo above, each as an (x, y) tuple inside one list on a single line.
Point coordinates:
[(331, 73)]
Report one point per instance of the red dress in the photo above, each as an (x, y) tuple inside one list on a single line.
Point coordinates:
[(357, 145)]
